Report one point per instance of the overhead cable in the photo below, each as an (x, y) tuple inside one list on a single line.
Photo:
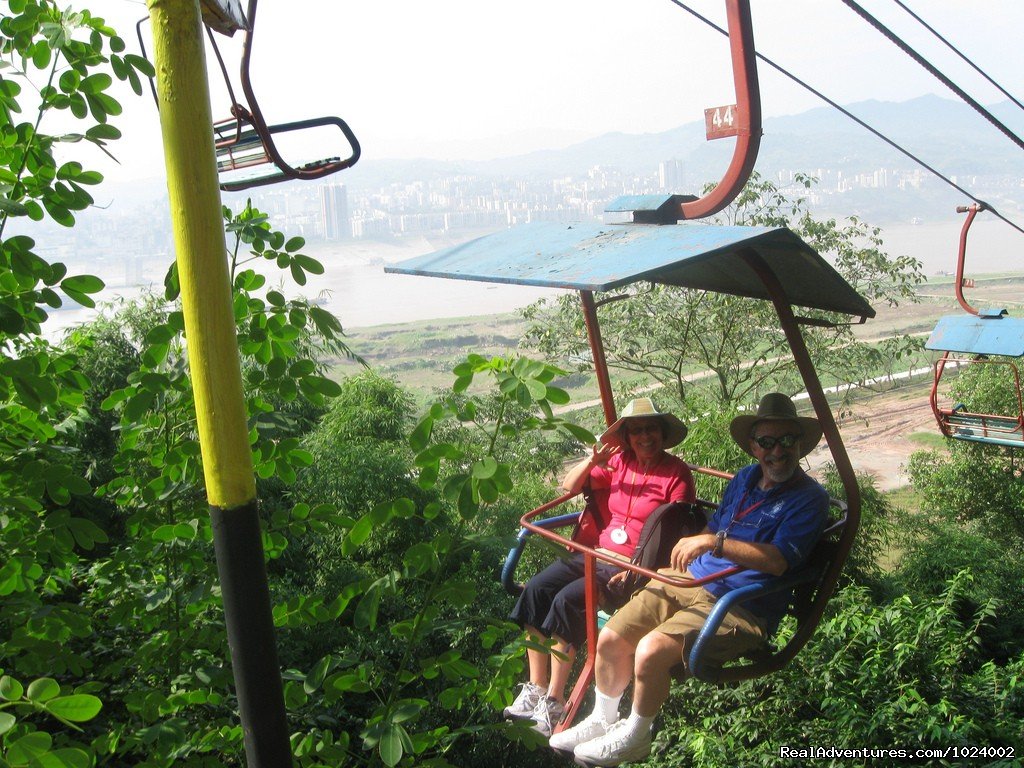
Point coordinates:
[(954, 49), (899, 43), (856, 119)]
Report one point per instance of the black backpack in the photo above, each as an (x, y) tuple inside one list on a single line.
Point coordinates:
[(666, 525)]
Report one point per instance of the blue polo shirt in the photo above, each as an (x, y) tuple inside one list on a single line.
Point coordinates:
[(791, 516)]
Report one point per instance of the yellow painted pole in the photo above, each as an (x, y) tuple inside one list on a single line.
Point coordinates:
[(199, 241), (214, 366)]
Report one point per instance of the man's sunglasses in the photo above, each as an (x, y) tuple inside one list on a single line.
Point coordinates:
[(786, 441)]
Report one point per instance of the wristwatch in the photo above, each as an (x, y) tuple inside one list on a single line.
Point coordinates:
[(719, 542)]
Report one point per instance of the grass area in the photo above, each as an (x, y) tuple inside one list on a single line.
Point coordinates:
[(907, 499), (421, 355), (928, 440)]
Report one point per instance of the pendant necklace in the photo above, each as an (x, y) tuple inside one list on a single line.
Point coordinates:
[(620, 535)]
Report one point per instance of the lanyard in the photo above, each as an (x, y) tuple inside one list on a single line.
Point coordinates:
[(632, 488), (744, 511)]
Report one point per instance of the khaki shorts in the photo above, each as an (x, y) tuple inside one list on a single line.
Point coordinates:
[(680, 613)]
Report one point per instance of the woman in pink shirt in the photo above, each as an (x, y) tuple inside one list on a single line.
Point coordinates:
[(631, 474)]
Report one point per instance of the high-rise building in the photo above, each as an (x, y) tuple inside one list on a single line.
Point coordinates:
[(334, 212), (670, 175)]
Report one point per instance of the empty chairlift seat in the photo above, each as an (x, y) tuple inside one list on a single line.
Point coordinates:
[(970, 340)]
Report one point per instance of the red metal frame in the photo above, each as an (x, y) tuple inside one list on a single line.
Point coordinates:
[(748, 115), (597, 349), (993, 425), (247, 124), (590, 558), (971, 211), (823, 412)]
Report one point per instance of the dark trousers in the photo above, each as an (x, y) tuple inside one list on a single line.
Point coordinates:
[(554, 600)]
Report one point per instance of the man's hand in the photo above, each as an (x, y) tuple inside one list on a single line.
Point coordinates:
[(690, 548), (616, 581)]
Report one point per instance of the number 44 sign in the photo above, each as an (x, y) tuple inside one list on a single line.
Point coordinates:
[(720, 122)]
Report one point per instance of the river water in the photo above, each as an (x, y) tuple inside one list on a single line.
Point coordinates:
[(358, 291), (362, 294)]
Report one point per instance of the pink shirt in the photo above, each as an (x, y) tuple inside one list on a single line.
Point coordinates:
[(633, 495)]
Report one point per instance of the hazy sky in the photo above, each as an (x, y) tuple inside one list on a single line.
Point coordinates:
[(480, 79)]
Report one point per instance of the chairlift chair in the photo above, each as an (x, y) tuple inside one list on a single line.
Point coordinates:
[(757, 262), (247, 153), (970, 339)]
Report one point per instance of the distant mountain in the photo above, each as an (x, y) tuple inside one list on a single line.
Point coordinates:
[(944, 133)]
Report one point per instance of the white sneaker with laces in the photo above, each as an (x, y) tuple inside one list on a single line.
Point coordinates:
[(524, 704), (619, 745), (587, 729), (546, 715)]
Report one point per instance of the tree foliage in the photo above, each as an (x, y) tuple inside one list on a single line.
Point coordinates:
[(975, 481), (383, 532), (53, 63), (732, 347), (903, 674)]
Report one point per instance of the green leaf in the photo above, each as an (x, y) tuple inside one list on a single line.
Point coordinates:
[(408, 710), (557, 396), (7, 721), (186, 531), (103, 132), (485, 468), (468, 506), (309, 264), (29, 748), (164, 533), (82, 284), (420, 558), (360, 532), (11, 689), (420, 437), (365, 616), (78, 708), (87, 534), (537, 389), (64, 758), (390, 746), (172, 285), (42, 690), (11, 207), (580, 433), (317, 674), (96, 83)]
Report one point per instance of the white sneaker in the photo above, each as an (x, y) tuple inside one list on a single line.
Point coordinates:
[(617, 746), (587, 729), (546, 715), (524, 704)]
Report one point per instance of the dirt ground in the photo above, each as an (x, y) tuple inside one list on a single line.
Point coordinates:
[(878, 436)]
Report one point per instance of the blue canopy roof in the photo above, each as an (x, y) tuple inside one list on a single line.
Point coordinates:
[(600, 257), (992, 333)]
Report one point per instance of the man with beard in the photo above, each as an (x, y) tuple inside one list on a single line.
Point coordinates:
[(770, 517)]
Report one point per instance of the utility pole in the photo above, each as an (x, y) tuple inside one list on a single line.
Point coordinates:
[(187, 128)]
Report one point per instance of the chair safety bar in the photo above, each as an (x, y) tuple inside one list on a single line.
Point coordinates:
[(508, 571), (959, 423), (698, 665), (239, 148), (245, 139), (538, 528), (811, 573)]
